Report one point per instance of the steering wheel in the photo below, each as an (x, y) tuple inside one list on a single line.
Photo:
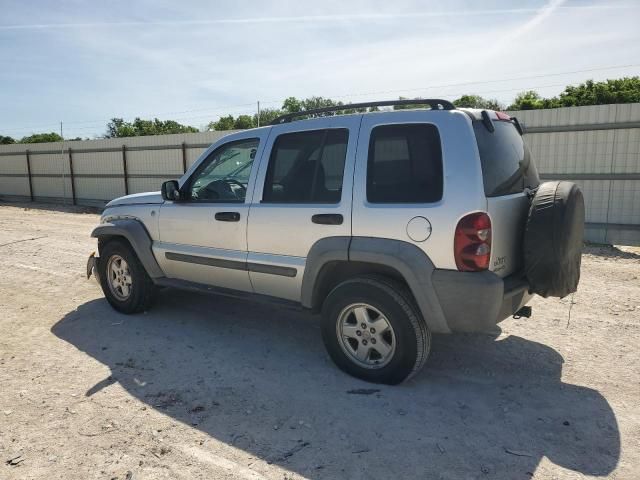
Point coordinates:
[(236, 182), (219, 189)]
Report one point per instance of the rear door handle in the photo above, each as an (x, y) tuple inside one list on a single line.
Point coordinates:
[(227, 216), (328, 219)]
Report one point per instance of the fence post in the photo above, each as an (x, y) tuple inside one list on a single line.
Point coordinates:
[(29, 174), (73, 183), (124, 169), (184, 157)]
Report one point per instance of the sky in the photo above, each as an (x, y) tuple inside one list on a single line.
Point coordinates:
[(85, 62)]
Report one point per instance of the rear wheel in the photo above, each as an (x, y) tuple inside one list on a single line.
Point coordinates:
[(373, 331), (124, 281)]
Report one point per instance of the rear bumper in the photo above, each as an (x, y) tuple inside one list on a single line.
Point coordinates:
[(477, 301)]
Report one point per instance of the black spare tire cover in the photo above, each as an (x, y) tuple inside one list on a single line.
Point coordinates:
[(553, 239)]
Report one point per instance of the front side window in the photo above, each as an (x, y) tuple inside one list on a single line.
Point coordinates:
[(307, 167), (404, 164), (224, 175)]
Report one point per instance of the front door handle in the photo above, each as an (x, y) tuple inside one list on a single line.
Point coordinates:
[(227, 216), (328, 219)]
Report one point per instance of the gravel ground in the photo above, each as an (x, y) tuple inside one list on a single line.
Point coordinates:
[(217, 388)]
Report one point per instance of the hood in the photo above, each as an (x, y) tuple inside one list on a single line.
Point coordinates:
[(149, 198)]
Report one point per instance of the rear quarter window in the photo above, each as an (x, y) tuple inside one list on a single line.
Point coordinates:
[(507, 166), (404, 164)]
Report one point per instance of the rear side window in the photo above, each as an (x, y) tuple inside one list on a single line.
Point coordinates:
[(307, 167), (506, 161), (404, 164)]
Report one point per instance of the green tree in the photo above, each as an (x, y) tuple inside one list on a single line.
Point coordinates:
[(292, 105), (6, 140), (313, 103), (223, 123), (42, 138), (243, 122), (267, 116), (117, 127), (529, 100), (476, 101), (621, 90)]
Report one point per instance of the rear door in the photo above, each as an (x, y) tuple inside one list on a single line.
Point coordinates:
[(303, 194), (399, 181), (508, 173)]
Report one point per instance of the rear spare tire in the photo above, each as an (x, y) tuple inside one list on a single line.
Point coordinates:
[(553, 239)]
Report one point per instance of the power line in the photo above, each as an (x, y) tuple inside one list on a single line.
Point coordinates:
[(103, 120), (490, 81), (379, 92)]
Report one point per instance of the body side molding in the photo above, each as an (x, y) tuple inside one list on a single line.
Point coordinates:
[(232, 264)]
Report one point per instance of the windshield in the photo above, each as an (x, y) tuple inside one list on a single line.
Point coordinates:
[(507, 166)]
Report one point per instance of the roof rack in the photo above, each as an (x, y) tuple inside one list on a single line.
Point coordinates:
[(435, 104)]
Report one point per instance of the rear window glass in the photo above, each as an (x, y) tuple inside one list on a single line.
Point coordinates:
[(405, 164), (507, 166)]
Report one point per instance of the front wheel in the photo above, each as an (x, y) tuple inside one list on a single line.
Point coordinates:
[(124, 281), (373, 331)]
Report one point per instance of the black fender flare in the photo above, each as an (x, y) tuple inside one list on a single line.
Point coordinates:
[(136, 234), (408, 260)]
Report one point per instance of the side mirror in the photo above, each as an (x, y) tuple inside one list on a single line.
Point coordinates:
[(171, 191)]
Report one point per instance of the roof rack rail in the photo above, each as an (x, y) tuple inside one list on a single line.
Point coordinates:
[(434, 103)]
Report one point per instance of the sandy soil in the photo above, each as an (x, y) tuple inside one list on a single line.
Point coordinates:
[(206, 387)]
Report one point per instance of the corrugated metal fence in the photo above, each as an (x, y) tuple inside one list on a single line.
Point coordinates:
[(597, 147), (93, 172)]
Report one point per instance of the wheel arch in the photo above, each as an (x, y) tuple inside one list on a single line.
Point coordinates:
[(134, 232), (335, 259)]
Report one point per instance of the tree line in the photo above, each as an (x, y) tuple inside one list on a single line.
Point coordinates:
[(622, 90)]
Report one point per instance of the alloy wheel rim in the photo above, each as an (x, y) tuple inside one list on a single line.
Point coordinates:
[(119, 277), (366, 335)]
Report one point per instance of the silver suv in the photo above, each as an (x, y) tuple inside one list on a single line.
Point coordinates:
[(393, 224)]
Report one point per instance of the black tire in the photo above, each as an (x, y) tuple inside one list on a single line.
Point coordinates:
[(391, 299), (553, 239), (142, 288)]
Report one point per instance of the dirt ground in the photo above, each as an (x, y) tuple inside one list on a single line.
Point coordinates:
[(215, 388)]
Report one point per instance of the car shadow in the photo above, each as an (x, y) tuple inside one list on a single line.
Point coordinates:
[(256, 377)]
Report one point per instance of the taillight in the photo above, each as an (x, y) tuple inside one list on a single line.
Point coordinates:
[(472, 243)]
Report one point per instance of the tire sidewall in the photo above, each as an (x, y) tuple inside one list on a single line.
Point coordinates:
[(406, 351)]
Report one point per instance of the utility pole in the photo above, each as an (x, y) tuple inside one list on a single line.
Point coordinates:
[(258, 113)]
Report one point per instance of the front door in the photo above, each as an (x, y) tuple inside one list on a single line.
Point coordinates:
[(303, 194), (203, 237)]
